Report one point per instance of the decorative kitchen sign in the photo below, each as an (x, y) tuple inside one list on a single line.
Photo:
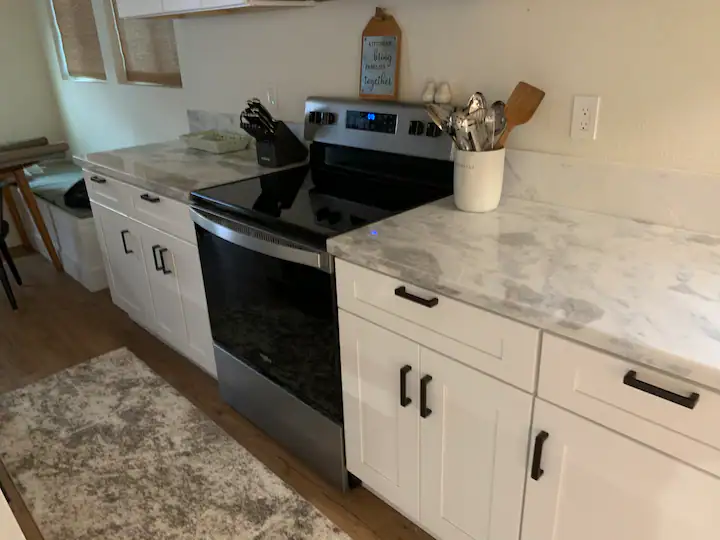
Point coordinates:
[(380, 69)]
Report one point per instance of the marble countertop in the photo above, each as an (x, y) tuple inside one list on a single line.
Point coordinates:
[(646, 292), (171, 169)]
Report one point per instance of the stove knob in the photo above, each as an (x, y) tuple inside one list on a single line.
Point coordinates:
[(315, 117), (417, 128), (433, 131), (328, 118)]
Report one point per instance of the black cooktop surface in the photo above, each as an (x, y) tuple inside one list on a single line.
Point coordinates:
[(319, 202)]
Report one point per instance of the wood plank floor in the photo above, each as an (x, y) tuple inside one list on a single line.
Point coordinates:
[(61, 324)]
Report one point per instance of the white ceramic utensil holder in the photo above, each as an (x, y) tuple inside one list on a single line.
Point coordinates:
[(479, 180)]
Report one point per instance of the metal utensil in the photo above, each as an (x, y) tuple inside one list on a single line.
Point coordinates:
[(463, 131), (476, 103), (442, 117), (438, 114)]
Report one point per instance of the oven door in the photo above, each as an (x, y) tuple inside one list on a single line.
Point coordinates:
[(272, 306)]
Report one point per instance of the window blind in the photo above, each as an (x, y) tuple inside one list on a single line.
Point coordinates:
[(149, 51), (78, 34)]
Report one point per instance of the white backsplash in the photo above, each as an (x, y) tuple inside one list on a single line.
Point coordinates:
[(207, 120), (679, 199)]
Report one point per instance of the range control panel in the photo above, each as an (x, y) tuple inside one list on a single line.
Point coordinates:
[(370, 121), (399, 128)]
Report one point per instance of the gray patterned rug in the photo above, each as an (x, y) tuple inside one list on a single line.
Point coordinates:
[(108, 450)]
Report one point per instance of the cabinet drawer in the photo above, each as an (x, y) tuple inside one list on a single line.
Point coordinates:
[(162, 213), (636, 400), (482, 340), (108, 192)]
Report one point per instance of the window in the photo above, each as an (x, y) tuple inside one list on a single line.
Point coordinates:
[(149, 51), (78, 39)]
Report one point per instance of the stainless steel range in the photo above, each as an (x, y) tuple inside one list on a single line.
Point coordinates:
[(270, 282)]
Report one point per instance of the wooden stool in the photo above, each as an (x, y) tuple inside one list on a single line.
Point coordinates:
[(23, 185)]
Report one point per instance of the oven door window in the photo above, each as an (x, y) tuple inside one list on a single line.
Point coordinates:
[(277, 317)]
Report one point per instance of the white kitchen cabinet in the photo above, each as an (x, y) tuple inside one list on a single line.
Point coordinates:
[(455, 461), (156, 8), (154, 275), (178, 297), (473, 448), (138, 8), (381, 433), (597, 485), (170, 6), (126, 268)]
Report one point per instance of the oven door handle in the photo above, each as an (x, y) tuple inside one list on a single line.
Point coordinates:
[(261, 241)]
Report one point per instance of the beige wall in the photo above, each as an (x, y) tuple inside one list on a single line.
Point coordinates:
[(653, 62), (27, 103)]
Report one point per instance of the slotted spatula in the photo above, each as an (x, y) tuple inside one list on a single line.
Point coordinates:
[(520, 108)]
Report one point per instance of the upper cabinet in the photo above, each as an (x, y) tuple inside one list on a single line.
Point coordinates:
[(155, 8), (178, 6), (138, 8)]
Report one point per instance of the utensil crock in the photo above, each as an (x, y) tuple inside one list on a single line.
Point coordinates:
[(479, 180)]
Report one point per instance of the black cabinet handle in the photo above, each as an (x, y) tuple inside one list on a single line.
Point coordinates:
[(537, 472), (425, 411), (689, 402), (162, 261), (155, 259), (98, 180), (428, 303), (150, 198), (404, 399), (122, 235)]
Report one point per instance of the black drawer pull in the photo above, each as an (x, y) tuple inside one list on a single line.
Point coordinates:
[(155, 259), (150, 198), (537, 472), (404, 399), (689, 402), (425, 411), (402, 293), (164, 269), (122, 235), (98, 180)]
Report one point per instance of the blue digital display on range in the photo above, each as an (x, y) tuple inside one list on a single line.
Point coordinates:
[(368, 121)]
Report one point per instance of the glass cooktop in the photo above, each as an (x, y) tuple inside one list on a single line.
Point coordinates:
[(320, 202)]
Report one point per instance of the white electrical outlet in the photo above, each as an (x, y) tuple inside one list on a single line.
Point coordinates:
[(585, 117)]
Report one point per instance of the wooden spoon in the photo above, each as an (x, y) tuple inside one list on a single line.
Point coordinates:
[(520, 108)]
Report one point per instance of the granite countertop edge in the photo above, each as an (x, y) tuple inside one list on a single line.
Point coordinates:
[(633, 350), (160, 188)]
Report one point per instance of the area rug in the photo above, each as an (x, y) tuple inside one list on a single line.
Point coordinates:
[(108, 450)]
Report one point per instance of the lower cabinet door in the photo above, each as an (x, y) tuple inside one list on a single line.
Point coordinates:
[(126, 268), (379, 369), (594, 484), (178, 295), (169, 321), (473, 447), (188, 271)]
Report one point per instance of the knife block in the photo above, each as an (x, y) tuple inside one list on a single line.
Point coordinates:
[(283, 149)]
